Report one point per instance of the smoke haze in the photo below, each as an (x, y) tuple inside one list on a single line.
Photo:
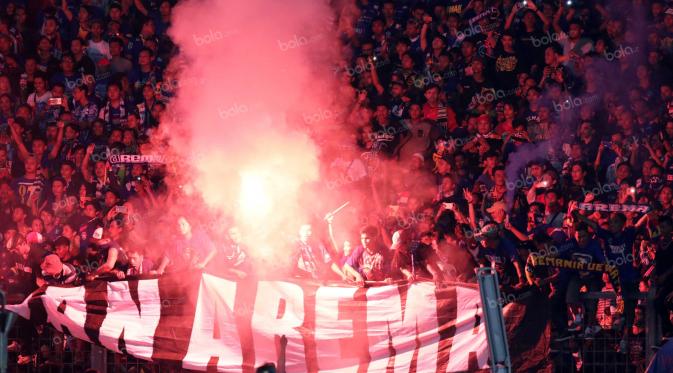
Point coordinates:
[(262, 67)]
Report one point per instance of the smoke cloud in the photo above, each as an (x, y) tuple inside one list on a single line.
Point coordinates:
[(262, 68)]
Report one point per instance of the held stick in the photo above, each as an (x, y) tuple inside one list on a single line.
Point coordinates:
[(338, 209)]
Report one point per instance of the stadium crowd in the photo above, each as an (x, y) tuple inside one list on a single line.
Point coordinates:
[(487, 133)]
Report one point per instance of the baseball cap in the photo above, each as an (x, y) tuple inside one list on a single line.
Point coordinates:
[(489, 231), (97, 234)]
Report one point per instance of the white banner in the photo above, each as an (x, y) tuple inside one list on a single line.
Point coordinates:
[(210, 323)]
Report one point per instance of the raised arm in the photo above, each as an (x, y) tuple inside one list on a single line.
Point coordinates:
[(577, 216), (330, 229), (599, 155), (141, 8), (59, 141), (85, 163), (531, 5), (469, 197), (23, 151), (519, 235), (66, 11), (512, 14), (633, 157), (375, 77), (556, 21), (424, 32)]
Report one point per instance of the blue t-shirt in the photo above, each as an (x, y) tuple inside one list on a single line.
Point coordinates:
[(503, 258), (619, 252), (592, 253), (199, 244), (372, 266)]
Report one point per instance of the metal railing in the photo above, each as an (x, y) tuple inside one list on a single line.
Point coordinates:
[(600, 353)]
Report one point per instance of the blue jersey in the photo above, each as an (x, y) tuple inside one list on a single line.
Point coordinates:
[(619, 252)]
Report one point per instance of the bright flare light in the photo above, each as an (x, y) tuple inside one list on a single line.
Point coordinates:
[(254, 199)]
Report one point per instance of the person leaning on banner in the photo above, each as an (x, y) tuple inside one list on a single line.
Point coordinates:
[(415, 259), (55, 272), (109, 254), (232, 258), (193, 249), (311, 259), (370, 260), (138, 264)]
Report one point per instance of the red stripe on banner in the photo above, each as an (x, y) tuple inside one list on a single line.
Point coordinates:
[(216, 323), (61, 307), (246, 292), (212, 364), (414, 358), (281, 309), (38, 314), (477, 321), (133, 290), (121, 342), (358, 346), (391, 352), (281, 348), (95, 297), (177, 295), (447, 312), (402, 289), (307, 329), (472, 362)]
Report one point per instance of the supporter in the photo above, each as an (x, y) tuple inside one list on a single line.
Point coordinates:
[(71, 233), (585, 250), (370, 260), (193, 249), (618, 242), (311, 259), (62, 249), (115, 109), (83, 63), (56, 272), (51, 228), (111, 258), (87, 224), (118, 63), (500, 253), (415, 259), (29, 188), (83, 109), (138, 264), (232, 258)]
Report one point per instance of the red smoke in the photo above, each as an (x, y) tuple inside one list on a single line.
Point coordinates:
[(254, 73)]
